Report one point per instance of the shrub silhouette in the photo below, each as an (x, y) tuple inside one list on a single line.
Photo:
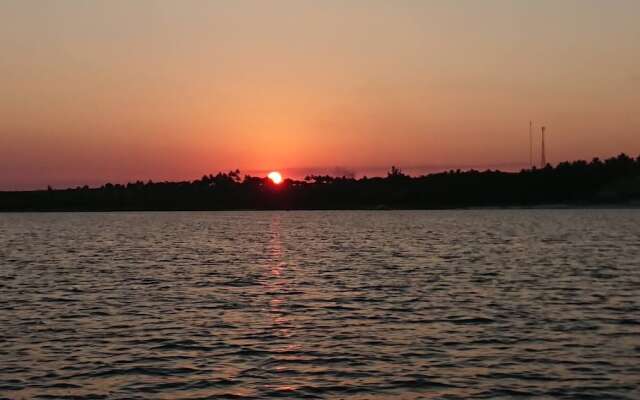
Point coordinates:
[(615, 180)]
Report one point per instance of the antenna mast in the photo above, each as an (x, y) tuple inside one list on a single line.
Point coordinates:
[(530, 144), (543, 156)]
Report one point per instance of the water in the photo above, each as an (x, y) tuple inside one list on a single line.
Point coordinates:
[(335, 305)]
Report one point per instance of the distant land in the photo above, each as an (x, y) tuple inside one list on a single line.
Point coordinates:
[(615, 181)]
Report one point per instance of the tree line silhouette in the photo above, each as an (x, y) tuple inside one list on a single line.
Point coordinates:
[(577, 183)]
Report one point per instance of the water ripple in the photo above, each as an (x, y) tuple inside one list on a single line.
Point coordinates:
[(321, 305)]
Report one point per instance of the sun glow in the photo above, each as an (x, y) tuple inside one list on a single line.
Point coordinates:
[(275, 177)]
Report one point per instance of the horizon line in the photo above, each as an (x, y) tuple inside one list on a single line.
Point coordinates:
[(435, 169)]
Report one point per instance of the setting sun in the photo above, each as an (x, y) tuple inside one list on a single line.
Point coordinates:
[(275, 177)]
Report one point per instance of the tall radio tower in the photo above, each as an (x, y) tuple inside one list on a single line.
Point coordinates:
[(530, 144), (543, 156)]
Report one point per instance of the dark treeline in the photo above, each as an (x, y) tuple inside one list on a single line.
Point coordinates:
[(615, 180)]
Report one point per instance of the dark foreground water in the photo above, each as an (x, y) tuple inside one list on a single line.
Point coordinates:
[(332, 305)]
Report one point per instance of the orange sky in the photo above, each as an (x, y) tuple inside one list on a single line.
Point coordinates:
[(118, 91)]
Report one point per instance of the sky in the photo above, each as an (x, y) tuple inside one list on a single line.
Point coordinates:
[(115, 91)]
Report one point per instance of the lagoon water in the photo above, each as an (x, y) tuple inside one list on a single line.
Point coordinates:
[(327, 305)]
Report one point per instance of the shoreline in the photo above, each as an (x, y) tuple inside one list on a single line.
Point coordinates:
[(609, 206)]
